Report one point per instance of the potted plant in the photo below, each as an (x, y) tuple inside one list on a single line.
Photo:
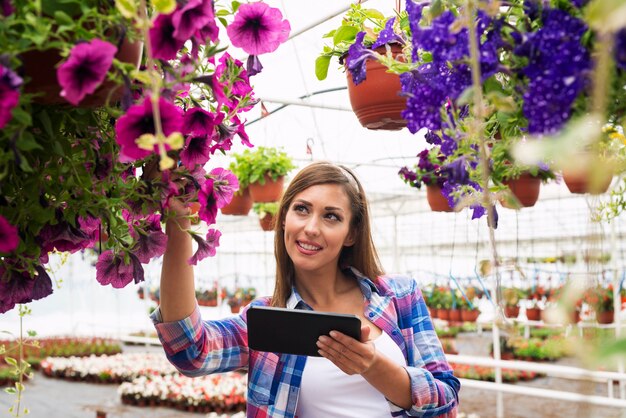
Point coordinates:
[(468, 313), (512, 297), (78, 173), (428, 171), (600, 298), (374, 92), (267, 214), (242, 201), (263, 170), (534, 303)]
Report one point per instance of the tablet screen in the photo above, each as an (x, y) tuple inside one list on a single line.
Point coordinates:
[(295, 331)]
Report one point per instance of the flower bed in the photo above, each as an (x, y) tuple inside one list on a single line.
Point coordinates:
[(466, 371), (38, 349), (221, 393), (107, 369)]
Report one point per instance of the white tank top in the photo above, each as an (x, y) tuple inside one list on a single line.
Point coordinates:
[(327, 392)]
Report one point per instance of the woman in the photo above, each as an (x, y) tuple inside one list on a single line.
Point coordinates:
[(326, 261)]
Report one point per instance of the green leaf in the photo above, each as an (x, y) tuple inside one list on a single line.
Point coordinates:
[(10, 391), (436, 9), (321, 66), (44, 118), (22, 117), (27, 142), (11, 361), (374, 14), (501, 101), (164, 6), (63, 18), (31, 333), (128, 8), (25, 166), (345, 33), (606, 15)]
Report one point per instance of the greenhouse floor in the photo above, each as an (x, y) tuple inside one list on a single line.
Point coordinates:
[(55, 398)]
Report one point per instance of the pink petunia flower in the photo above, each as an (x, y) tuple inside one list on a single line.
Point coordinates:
[(258, 28), (9, 239), (110, 269), (85, 69), (206, 247), (192, 17), (164, 44), (225, 184), (208, 204), (9, 94), (198, 121), (149, 245), (139, 120), (197, 151)]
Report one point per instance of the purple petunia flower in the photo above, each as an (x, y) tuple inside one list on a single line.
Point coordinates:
[(42, 286), (208, 204), (206, 247), (620, 49), (387, 35), (258, 28), (357, 59), (110, 269), (139, 120), (63, 237), (197, 151), (253, 65), (85, 69), (198, 121), (6, 8), (20, 287), (164, 44), (456, 171), (9, 94), (225, 184), (150, 244), (192, 17), (9, 239)]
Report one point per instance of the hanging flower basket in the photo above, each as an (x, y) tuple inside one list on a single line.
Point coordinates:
[(455, 315), (468, 315), (444, 314), (579, 181), (40, 66), (267, 222), (240, 205), (525, 189), (511, 311), (271, 191), (436, 200), (375, 101)]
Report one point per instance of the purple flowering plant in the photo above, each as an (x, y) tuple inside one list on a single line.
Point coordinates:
[(488, 74), (94, 144)]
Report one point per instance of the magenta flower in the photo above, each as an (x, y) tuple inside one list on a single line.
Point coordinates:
[(164, 44), (6, 7), (192, 17), (139, 120), (9, 94), (18, 287), (225, 184), (85, 69), (150, 244), (110, 269), (90, 226), (206, 248), (198, 121), (208, 204), (63, 237), (197, 151), (258, 28), (9, 239)]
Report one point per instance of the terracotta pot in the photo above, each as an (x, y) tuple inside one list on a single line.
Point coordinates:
[(434, 312), (525, 189), (575, 317), (455, 315), (271, 191), (240, 205), (436, 200), (606, 317), (444, 314), (533, 314), (470, 315), (41, 68), (511, 311), (375, 101), (579, 181), (267, 222), (235, 308)]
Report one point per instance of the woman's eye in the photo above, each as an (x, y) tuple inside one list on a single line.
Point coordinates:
[(299, 208), (333, 217)]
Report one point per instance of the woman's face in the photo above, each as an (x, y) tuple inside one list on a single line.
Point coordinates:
[(317, 227)]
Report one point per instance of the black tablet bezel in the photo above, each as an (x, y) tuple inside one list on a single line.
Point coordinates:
[(295, 331)]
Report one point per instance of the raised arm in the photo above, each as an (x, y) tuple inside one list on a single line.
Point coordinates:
[(178, 296)]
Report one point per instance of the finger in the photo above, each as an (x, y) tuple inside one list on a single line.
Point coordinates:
[(353, 345), (343, 362), (365, 333)]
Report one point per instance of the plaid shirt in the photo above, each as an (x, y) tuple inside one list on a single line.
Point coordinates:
[(395, 304)]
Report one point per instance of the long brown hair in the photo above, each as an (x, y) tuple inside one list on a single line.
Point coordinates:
[(362, 255)]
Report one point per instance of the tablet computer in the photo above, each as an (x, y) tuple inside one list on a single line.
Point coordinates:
[(295, 331)]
